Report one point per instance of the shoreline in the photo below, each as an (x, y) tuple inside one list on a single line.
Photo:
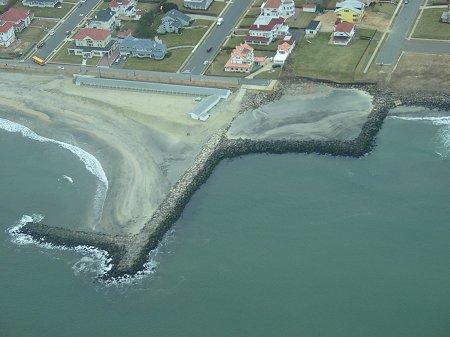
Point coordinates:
[(130, 253)]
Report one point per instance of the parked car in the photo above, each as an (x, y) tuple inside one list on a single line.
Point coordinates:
[(209, 49), (40, 44), (52, 32)]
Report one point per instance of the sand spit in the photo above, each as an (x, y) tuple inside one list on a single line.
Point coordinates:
[(130, 253), (144, 141)]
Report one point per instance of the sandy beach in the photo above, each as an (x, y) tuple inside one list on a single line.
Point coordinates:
[(144, 141)]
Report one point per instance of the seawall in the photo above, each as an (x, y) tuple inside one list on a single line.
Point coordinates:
[(129, 254)]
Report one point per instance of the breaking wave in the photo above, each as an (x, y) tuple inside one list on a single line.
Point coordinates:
[(444, 130), (90, 162)]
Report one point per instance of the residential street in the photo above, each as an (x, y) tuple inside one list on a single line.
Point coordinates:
[(426, 46), (216, 37), (67, 25), (393, 46)]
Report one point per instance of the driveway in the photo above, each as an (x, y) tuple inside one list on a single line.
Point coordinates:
[(393, 46), (216, 37), (68, 24)]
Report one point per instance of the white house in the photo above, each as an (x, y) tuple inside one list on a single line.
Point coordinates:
[(89, 42), (343, 33), (7, 35), (125, 8), (284, 49), (313, 28), (266, 29), (278, 8)]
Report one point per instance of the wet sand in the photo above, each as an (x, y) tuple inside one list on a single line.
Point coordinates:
[(144, 141), (306, 112)]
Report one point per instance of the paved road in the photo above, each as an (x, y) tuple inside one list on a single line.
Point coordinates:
[(67, 25), (216, 37), (392, 47), (426, 46)]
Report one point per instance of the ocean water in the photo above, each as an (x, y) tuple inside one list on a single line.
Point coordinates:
[(271, 245)]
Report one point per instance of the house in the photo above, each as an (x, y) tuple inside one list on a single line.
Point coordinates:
[(40, 3), (141, 48), (445, 17), (173, 22), (19, 17), (123, 8), (7, 35), (350, 10), (278, 8), (310, 7), (266, 29), (243, 59), (284, 49), (90, 42), (343, 33), (313, 28), (104, 19), (197, 4)]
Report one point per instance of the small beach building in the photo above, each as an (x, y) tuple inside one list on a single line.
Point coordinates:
[(343, 33), (7, 35), (350, 10), (313, 28), (20, 18)]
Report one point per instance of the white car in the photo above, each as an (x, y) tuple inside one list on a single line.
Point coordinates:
[(51, 33), (81, 14), (205, 62), (219, 21)]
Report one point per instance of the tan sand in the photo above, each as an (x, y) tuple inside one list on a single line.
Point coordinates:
[(144, 141), (307, 111)]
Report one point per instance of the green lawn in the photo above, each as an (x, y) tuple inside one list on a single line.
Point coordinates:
[(189, 36), (56, 13), (429, 26), (302, 20), (168, 64), (385, 8), (63, 56), (272, 74), (322, 60)]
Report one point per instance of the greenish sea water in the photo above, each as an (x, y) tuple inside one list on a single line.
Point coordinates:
[(271, 245)]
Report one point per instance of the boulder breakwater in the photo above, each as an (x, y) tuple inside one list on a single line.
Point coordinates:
[(129, 254)]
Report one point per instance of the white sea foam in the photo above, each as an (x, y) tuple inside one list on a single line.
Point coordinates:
[(95, 262), (69, 179), (444, 131), (90, 162)]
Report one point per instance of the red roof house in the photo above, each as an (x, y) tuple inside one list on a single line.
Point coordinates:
[(7, 36), (19, 17), (343, 33)]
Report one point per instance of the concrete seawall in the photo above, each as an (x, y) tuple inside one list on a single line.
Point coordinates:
[(129, 254)]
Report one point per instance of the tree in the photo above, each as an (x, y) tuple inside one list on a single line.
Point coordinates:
[(144, 26)]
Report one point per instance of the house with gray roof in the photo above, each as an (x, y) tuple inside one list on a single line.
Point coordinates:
[(104, 19), (40, 3), (134, 47), (173, 22), (197, 4)]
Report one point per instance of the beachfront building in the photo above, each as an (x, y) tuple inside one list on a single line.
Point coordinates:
[(278, 8), (197, 4), (124, 8), (7, 35), (266, 29), (143, 48), (284, 49), (20, 18), (350, 10), (40, 3), (104, 19), (243, 59), (173, 22), (343, 33), (90, 42)]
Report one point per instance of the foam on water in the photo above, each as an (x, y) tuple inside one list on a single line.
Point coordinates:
[(95, 262), (444, 131), (90, 162), (69, 179)]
